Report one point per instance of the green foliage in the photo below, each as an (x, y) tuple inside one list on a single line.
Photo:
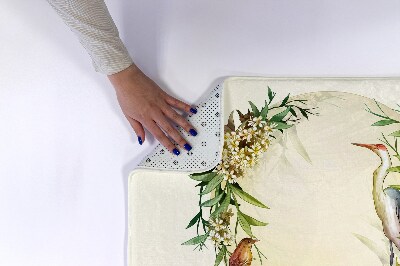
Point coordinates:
[(194, 220), (395, 134), (196, 240), (280, 116), (220, 256), (256, 112), (224, 204), (213, 201), (253, 221), (264, 111), (206, 177), (244, 224), (386, 120), (395, 169), (271, 95), (215, 181), (287, 113), (291, 111), (260, 254), (395, 187), (283, 103), (248, 198)]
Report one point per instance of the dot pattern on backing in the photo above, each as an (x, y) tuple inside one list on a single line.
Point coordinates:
[(207, 145)]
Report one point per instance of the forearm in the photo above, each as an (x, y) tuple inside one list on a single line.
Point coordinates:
[(91, 21), (143, 102)]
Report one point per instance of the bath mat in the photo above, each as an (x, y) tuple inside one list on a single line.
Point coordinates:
[(284, 171)]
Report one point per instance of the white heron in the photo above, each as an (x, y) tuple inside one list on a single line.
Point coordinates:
[(386, 201)]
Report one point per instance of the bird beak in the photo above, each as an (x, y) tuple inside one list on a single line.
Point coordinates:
[(255, 240), (368, 146)]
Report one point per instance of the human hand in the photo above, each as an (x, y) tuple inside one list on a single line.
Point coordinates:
[(145, 104)]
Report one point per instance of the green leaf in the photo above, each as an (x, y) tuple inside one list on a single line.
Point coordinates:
[(212, 184), (213, 201), (196, 240), (394, 169), (300, 100), (271, 94), (285, 100), (395, 134), (384, 122), (397, 156), (244, 224), (220, 256), (395, 187), (255, 109), (281, 125), (224, 204), (303, 112), (293, 112), (201, 184), (233, 202), (206, 177), (278, 117), (194, 220), (253, 221), (236, 185), (264, 111), (248, 198)]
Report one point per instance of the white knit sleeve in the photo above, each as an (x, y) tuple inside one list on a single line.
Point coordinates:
[(91, 21)]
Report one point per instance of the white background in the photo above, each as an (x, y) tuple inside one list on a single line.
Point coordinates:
[(65, 147)]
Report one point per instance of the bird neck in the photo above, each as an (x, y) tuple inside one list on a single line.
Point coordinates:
[(381, 172)]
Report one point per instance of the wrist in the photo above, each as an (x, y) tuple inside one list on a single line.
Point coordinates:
[(119, 80)]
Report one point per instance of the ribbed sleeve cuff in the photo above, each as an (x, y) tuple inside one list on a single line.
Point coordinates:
[(111, 58)]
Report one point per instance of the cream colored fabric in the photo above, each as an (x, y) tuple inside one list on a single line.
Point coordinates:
[(91, 21), (319, 211)]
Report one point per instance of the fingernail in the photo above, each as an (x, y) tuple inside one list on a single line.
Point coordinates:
[(193, 110), (140, 140), (175, 151), (193, 132), (187, 147)]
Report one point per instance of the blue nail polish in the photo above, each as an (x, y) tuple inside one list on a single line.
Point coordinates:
[(187, 147), (193, 132), (176, 152), (140, 140), (193, 110)]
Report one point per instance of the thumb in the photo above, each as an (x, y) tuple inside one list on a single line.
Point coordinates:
[(138, 128)]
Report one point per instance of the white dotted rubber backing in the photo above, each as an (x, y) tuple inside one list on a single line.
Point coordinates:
[(207, 145)]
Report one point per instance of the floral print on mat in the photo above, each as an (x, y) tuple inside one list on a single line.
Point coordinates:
[(244, 145)]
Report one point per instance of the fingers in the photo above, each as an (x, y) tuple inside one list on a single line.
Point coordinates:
[(138, 128), (172, 132), (180, 105), (161, 122), (161, 137), (179, 120)]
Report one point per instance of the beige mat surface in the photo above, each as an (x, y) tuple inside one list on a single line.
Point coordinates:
[(318, 186)]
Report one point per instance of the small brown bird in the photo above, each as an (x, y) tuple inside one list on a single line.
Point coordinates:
[(242, 255)]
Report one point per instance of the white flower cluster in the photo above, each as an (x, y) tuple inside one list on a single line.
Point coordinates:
[(219, 229), (243, 148)]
